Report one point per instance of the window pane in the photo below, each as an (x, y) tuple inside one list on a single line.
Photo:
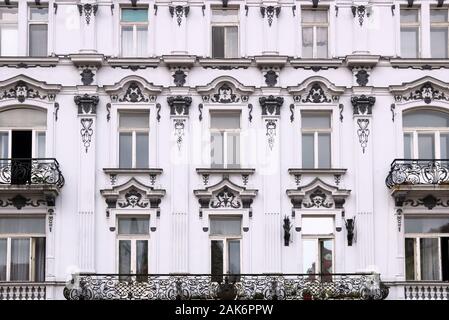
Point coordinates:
[(8, 14), (408, 138), (134, 15), (216, 259), (142, 256), (445, 258), (438, 42), (38, 40), (142, 149), (444, 146), (134, 225), (20, 260), (216, 149), (141, 41), (326, 256), (225, 120), (134, 120), (225, 226), (225, 15), (232, 42), (409, 259), (41, 144), (309, 16), (39, 265), (409, 15), (426, 146), (307, 42), (308, 151), (430, 261), (26, 225), (218, 42), (233, 150), (127, 41), (315, 120), (317, 225), (125, 150), (322, 38), (324, 150), (4, 144), (38, 13), (23, 117), (309, 256), (426, 118), (8, 40), (3, 248), (124, 252), (234, 257), (409, 42), (427, 225), (438, 15)]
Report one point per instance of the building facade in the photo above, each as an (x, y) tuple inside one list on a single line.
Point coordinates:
[(202, 149)]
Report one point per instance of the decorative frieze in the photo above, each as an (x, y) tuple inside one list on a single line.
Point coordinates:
[(19, 201), (21, 91), (316, 95), (134, 94), (426, 93)]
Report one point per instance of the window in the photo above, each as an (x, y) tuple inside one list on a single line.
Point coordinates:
[(410, 29), (22, 249), (225, 33), (133, 238), (134, 139), (225, 237), (439, 26), (8, 31), (134, 31), (427, 248), (426, 134), (315, 33), (317, 245), (225, 139), (316, 139), (37, 31)]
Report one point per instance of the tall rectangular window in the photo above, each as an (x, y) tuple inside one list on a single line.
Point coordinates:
[(37, 31), (225, 139), (9, 44), (315, 33), (316, 139), (225, 33), (134, 128), (134, 31), (439, 26), (410, 29)]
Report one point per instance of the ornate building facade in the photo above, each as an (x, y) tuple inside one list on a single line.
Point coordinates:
[(282, 149)]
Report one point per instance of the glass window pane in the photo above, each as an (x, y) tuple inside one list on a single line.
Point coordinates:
[(225, 226), (427, 225), (321, 42), (426, 146), (141, 41), (233, 150), (225, 15), (23, 117), (41, 144), (326, 254), (315, 120), (307, 42), (218, 50), (234, 257), (430, 260), (4, 144), (127, 41), (125, 150), (317, 225), (8, 40), (38, 40), (39, 265), (225, 120), (216, 149), (135, 15), (134, 120), (445, 258), (409, 42), (425, 118), (216, 255), (134, 225), (409, 259), (444, 146), (409, 15), (438, 15), (124, 253), (309, 256), (408, 145), (324, 150), (3, 253), (8, 14), (308, 157), (142, 149), (20, 260), (232, 42), (142, 256), (38, 13), (309, 16), (24, 225), (438, 42)]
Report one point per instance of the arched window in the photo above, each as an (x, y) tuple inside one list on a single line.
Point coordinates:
[(426, 134)]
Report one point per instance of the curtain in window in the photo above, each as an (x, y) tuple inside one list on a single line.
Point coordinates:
[(3, 252), (321, 42), (20, 259), (307, 42), (141, 258), (233, 149), (125, 150), (124, 265), (430, 263), (127, 41), (234, 258), (142, 149), (438, 42), (216, 260), (38, 40), (141, 41), (225, 226), (232, 42), (133, 225), (216, 149), (8, 40), (39, 271)]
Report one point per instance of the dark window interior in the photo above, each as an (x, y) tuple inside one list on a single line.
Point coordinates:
[(21, 154)]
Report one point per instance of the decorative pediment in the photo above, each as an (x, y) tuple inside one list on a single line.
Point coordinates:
[(225, 89), (22, 87), (316, 90), (133, 195), (318, 194), (426, 89), (133, 89)]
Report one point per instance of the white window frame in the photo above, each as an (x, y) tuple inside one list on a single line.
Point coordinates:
[(439, 25), (316, 132), (225, 24), (314, 26), (417, 24), (134, 25), (36, 22), (12, 23), (225, 135)]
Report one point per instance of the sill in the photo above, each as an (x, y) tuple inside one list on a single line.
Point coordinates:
[(423, 64), (28, 62), (150, 171), (362, 60), (225, 64), (225, 170), (84, 59), (316, 64), (133, 63), (179, 60), (295, 171), (271, 61)]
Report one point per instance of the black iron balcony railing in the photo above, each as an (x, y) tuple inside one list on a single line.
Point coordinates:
[(418, 171), (30, 171), (229, 287)]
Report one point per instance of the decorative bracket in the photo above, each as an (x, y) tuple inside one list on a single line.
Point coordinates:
[(271, 105), (88, 9), (360, 11), (363, 104), (86, 104), (179, 105), (270, 11), (179, 11)]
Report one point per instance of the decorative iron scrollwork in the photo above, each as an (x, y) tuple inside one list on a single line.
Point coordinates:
[(421, 171)]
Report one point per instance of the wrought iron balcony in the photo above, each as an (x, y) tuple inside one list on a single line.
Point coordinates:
[(225, 287), (418, 171), (30, 171)]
